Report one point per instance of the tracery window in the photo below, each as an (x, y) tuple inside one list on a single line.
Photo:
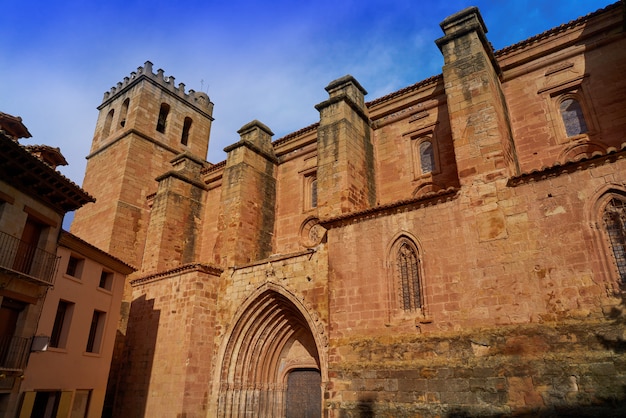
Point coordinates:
[(573, 117), (408, 276), (614, 219)]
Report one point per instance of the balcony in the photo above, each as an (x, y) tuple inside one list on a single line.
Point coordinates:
[(30, 262), (13, 352)]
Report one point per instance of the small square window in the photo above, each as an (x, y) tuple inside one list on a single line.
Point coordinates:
[(106, 280), (74, 267)]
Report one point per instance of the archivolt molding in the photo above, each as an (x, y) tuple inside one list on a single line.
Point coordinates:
[(256, 353), (594, 210), (581, 149), (391, 244), (596, 203)]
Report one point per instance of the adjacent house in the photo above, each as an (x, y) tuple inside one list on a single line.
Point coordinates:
[(79, 321), (59, 295)]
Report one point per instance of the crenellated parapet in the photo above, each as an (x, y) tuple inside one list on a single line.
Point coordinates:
[(196, 98)]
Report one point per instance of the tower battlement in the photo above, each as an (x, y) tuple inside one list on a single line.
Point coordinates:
[(196, 98)]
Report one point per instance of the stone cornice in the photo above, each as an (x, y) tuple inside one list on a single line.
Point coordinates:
[(343, 98), (244, 143), (582, 162), (428, 199), (124, 134), (178, 175), (183, 269)]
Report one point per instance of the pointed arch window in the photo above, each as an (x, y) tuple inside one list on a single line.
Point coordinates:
[(107, 123), (614, 219), (184, 139), (124, 112), (162, 120), (573, 118), (408, 275)]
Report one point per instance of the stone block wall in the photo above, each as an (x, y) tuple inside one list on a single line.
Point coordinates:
[(519, 308), (168, 355), (396, 139), (173, 236), (522, 311), (586, 71), (525, 370)]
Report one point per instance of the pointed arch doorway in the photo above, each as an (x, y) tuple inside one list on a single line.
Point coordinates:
[(271, 363)]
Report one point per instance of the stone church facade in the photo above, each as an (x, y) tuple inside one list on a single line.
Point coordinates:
[(455, 248)]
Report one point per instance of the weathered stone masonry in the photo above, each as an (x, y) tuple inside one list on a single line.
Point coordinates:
[(454, 248)]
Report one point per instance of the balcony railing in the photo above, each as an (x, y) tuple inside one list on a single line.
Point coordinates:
[(19, 256), (13, 352)]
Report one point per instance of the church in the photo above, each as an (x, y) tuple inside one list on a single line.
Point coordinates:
[(454, 248)]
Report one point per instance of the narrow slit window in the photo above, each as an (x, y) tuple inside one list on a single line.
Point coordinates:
[(184, 139), (162, 120), (107, 123), (124, 112), (314, 192)]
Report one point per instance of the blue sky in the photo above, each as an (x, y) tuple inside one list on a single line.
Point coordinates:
[(266, 60)]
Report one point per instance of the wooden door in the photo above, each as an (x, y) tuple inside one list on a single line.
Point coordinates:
[(304, 394)]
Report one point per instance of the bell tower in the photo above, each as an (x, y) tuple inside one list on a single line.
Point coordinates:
[(145, 121)]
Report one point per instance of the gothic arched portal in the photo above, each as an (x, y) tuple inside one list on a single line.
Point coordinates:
[(272, 338)]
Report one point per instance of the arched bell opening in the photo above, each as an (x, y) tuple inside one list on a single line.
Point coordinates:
[(270, 347)]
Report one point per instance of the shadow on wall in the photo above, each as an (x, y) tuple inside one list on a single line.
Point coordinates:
[(614, 338), (127, 390), (366, 408), (605, 409), (614, 407)]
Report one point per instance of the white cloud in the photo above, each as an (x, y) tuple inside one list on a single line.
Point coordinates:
[(258, 61)]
